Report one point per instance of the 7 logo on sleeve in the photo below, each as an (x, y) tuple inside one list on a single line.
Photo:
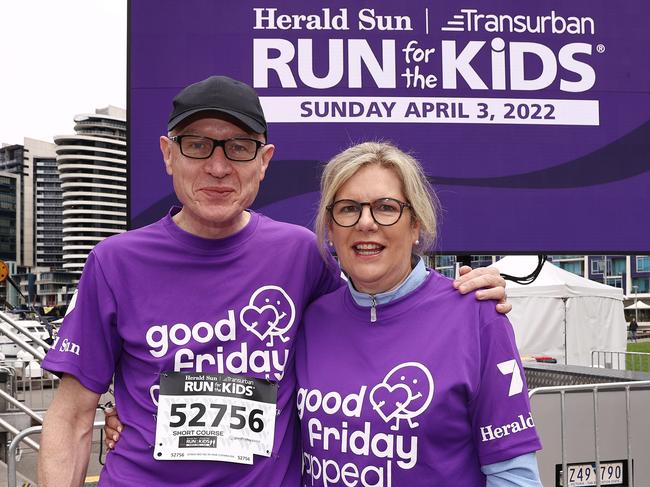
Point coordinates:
[(214, 417), (511, 367)]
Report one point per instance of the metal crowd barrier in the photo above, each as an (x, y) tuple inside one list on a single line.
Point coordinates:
[(618, 436), (33, 385), (639, 361), (22, 436)]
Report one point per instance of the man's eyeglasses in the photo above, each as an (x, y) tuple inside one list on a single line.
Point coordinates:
[(385, 211), (240, 149)]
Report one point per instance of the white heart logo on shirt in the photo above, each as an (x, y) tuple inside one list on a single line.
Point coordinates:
[(389, 401), (270, 313), (405, 393), (260, 321)]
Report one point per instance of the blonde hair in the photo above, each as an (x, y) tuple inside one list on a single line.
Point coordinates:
[(415, 186)]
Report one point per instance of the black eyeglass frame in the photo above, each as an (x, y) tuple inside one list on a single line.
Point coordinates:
[(217, 143), (402, 205)]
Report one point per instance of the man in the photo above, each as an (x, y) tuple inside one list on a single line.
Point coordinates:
[(634, 326), (212, 288)]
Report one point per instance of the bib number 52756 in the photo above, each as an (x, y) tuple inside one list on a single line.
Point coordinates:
[(198, 415), (211, 416)]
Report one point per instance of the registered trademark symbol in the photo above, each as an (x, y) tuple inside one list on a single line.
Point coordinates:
[(600, 48)]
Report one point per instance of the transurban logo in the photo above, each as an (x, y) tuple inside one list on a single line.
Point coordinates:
[(470, 20), (489, 432)]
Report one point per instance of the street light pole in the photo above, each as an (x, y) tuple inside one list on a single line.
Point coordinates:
[(636, 308)]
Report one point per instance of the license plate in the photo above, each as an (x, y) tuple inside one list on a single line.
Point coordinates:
[(584, 475)]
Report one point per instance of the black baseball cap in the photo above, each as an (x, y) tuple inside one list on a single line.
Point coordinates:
[(219, 94)]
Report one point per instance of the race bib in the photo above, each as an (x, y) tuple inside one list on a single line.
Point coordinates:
[(214, 417)]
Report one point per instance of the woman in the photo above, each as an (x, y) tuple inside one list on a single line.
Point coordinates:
[(402, 380)]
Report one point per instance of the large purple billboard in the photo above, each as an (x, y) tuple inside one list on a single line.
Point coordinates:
[(532, 120)]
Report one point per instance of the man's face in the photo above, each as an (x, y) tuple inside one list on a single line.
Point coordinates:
[(214, 192)]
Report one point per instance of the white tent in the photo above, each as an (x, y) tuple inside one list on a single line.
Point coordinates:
[(638, 305), (561, 314)]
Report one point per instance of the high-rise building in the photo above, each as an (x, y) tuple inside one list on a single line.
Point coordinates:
[(12, 161), (49, 220), (92, 168), (30, 222), (629, 272), (22, 161), (8, 205)]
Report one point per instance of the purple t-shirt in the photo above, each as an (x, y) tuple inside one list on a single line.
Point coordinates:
[(160, 299), (422, 397)]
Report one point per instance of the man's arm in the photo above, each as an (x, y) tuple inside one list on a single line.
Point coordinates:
[(67, 435), (489, 283)]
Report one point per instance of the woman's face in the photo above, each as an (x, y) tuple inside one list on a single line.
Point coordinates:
[(376, 257)]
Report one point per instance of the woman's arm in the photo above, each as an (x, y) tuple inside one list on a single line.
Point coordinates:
[(520, 471)]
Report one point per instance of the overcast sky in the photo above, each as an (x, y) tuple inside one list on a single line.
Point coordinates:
[(59, 58)]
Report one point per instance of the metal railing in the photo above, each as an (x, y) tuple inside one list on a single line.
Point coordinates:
[(28, 383), (594, 389), (6, 330), (19, 405), (27, 372), (22, 437), (635, 361), (32, 384)]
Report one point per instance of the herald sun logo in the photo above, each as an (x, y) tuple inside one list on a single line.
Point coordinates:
[(490, 432), (66, 346)]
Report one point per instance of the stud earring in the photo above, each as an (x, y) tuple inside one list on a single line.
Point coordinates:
[(331, 244), (417, 242)]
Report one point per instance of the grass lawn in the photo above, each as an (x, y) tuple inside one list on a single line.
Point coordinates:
[(638, 363), (639, 347)]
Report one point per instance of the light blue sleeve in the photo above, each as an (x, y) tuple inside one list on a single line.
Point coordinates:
[(520, 471)]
